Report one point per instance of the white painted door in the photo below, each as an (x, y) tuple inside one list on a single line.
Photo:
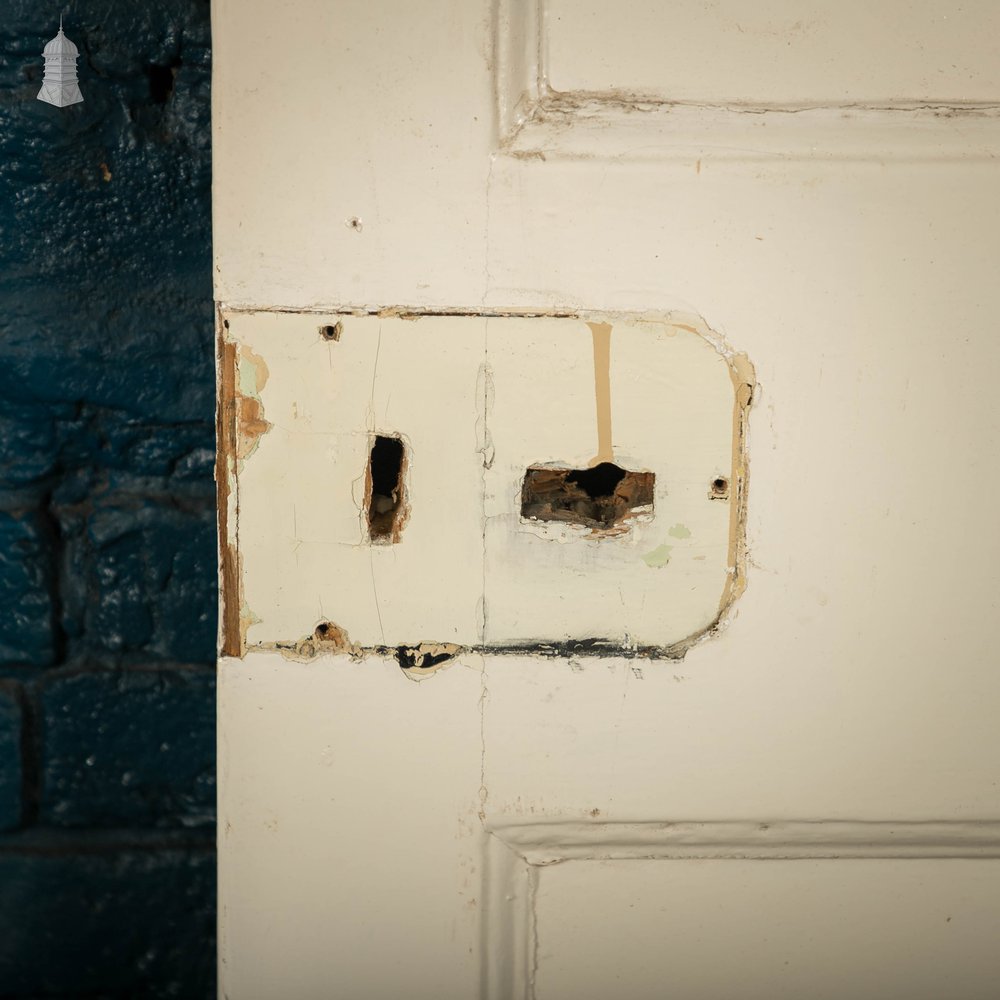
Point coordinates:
[(472, 257)]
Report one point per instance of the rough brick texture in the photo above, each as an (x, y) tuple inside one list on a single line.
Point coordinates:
[(27, 588), (133, 747), (11, 776), (129, 922), (107, 531)]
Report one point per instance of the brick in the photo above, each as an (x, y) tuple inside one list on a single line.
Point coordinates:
[(28, 444), (107, 922), (140, 578), (10, 755), (27, 579), (131, 747), (187, 613), (106, 439), (155, 450)]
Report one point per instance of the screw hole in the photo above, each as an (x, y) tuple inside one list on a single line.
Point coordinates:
[(719, 488), (331, 332)]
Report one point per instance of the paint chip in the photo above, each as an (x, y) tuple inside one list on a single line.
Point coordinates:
[(424, 659)]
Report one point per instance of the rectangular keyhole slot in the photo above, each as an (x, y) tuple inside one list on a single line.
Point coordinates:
[(385, 493)]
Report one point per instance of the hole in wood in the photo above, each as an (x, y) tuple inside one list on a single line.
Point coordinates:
[(719, 488), (331, 331), (600, 498), (385, 493)]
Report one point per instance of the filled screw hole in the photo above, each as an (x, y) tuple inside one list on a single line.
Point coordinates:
[(331, 331), (385, 500)]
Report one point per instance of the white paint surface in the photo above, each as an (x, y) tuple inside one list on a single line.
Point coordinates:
[(349, 847), (365, 821), (477, 401), (702, 930), (672, 398), (810, 52), (302, 492)]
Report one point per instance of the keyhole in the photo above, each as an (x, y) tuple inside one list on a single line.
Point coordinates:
[(385, 494)]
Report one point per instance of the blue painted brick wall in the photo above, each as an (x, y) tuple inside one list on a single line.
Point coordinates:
[(107, 523), (11, 773), (97, 942)]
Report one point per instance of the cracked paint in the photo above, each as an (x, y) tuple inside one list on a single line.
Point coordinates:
[(305, 499), (250, 422), (417, 661)]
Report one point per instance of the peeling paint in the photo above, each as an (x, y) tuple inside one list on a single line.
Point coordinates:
[(417, 661), (326, 638), (247, 617), (241, 375), (250, 422), (744, 383), (426, 658), (230, 575), (332, 638), (241, 410)]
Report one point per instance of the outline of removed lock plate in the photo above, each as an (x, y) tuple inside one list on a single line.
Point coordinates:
[(568, 485)]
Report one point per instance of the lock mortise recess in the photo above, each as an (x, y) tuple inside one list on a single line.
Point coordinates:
[(601, 497)]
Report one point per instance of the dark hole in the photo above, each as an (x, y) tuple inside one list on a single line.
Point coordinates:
[(331, 332), (600, 498), (600, 481), (408, 658), (161, 80), (385, 499), (720, 486)]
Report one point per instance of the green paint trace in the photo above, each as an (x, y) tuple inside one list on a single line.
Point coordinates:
[(659, 557), (248, 379), (679, 531)]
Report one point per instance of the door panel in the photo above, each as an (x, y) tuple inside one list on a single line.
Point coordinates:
[(704, 929), (349, 861), (813, 780), (772, 52)]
